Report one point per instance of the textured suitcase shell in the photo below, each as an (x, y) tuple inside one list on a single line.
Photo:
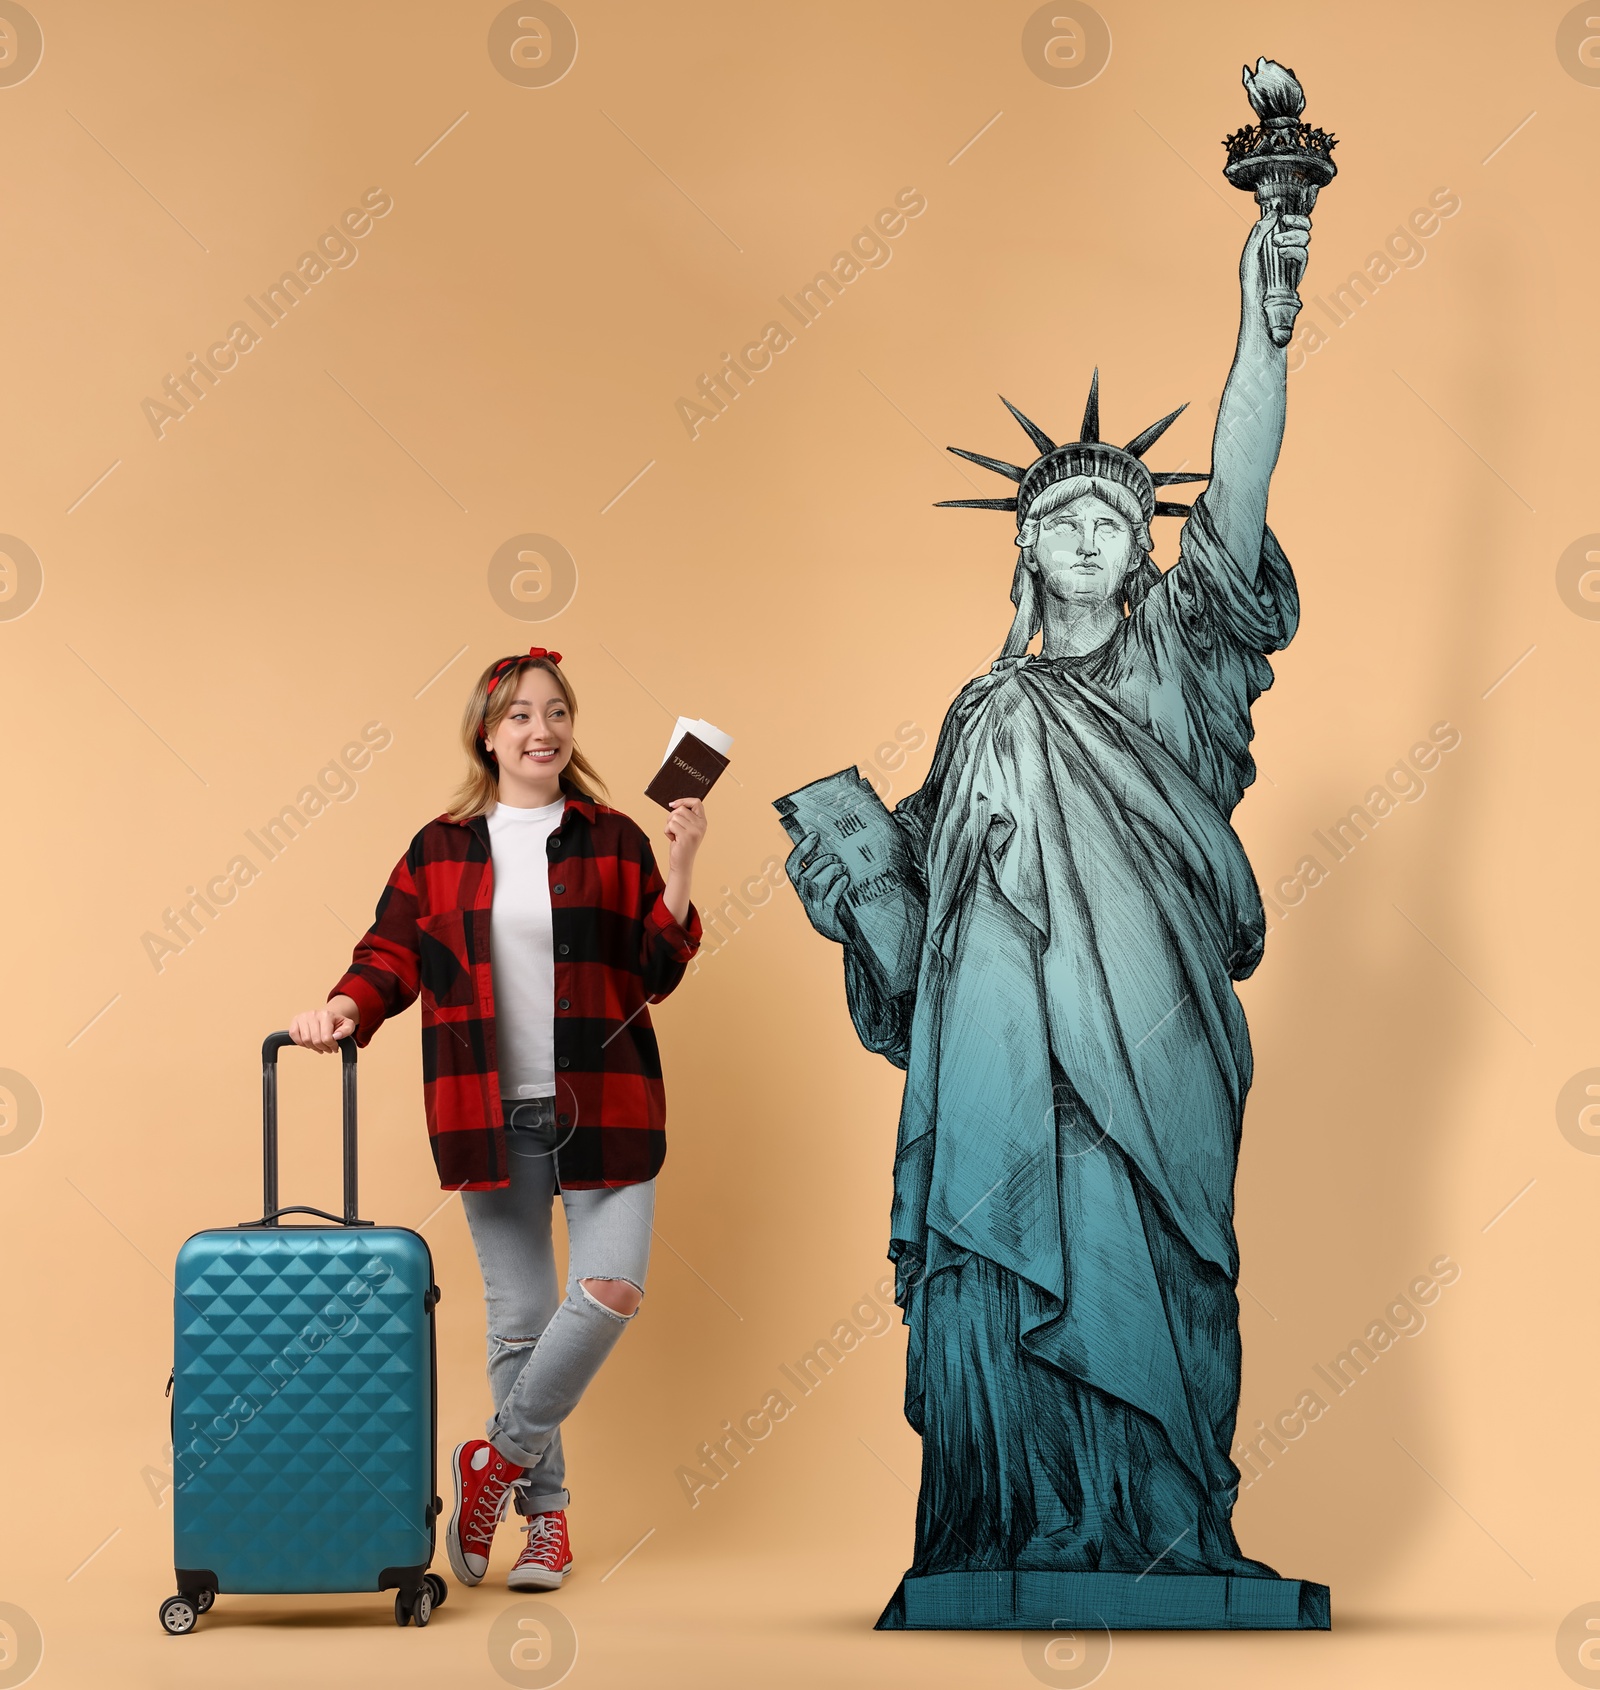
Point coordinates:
[(304, 1398), (303, 1408)]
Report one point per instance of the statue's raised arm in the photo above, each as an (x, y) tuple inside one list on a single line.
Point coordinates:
[(1250, 418), (1284, 162)]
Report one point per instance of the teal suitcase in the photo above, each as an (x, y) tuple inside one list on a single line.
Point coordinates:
[(304, 1400)]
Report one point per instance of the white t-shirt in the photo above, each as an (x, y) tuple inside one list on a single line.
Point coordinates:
[(521, 951)]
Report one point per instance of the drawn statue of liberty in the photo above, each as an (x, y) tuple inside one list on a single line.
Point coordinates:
[(1044, 937)]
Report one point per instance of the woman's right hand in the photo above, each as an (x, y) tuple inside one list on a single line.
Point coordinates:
[(821, 883), (321, 1029)]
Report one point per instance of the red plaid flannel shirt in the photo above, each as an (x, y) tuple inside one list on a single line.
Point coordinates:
[(617, 948)]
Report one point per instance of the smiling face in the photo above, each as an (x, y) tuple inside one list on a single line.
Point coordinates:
[(532, 741), (1084, 550)]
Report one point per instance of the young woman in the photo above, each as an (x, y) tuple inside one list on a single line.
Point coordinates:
[(534, 924)]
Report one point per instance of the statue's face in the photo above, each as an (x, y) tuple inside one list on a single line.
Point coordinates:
[(1084, 550)]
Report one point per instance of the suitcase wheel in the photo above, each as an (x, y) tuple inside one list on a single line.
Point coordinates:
[(204, 1600), (439, 1588), (420, 1610), (178, 1614)]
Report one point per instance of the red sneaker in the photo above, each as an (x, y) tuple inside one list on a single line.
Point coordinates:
[(548, 1558), (483, 1487)]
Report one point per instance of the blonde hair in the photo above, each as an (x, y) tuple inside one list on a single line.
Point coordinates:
[(479, 791), (1137, 580)]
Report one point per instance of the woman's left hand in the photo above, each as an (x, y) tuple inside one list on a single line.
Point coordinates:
[(686, 827)]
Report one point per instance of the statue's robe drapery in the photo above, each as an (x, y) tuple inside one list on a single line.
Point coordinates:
[(1076, 1068)]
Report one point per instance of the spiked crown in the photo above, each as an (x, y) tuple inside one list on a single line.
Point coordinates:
[(1088, 455)]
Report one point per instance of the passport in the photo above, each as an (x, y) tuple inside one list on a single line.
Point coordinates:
[(690, 770)]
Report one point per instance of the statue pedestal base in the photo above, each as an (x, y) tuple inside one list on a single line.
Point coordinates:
[(1045, 1601)]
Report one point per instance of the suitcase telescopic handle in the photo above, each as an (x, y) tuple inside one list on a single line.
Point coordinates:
[(270, 1046)]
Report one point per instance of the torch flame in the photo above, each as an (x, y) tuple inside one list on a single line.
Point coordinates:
[(1273, 90)]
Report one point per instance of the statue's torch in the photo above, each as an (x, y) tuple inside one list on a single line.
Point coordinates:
[(1283, 161)]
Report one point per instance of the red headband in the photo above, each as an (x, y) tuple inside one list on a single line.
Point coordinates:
[(506, 664)]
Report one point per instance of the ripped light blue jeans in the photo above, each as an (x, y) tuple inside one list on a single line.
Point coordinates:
[(545, 1347)]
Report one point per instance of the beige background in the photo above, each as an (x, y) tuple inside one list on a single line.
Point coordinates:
[(309, 550)]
